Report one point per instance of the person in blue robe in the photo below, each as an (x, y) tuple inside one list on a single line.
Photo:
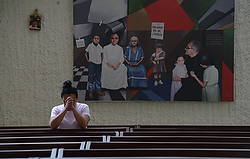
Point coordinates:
[(136, 72)]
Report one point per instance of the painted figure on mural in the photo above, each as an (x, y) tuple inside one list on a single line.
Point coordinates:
[(180, 70), (158, 59), (134, 55), (94, 56), (114, 72), (210, 87), (190, 89)]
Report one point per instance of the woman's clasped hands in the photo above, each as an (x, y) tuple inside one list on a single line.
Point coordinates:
[(69, 103)]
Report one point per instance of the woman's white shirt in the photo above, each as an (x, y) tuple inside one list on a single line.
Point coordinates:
[(69, 121)]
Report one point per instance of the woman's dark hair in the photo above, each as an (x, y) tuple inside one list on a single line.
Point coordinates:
[(68, 89), (207, 60)]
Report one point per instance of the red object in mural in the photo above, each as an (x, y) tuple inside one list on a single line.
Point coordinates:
[(175, 18), (227, 83)]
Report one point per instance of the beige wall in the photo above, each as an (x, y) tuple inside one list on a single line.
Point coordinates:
[(33, 65)]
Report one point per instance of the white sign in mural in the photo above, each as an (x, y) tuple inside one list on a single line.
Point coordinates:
[(157, 31)]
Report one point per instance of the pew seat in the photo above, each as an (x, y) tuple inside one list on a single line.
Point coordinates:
[(38, 153), (155, 152)]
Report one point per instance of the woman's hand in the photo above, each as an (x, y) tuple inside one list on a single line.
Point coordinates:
[(69, 103)]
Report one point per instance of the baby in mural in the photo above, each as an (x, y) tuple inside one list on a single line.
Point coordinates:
[(181, 71), (158, 59)]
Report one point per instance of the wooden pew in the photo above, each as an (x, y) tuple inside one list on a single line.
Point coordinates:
[(138, 128), (57, 133), (190, 127), (188, 133), (120, 145), (42, 145), (24, 127), (180, 139), (155, 152), (113, 133), (50, 139), (39, 129), (125, 138), (50, 153), (160, 140), (46, 131)]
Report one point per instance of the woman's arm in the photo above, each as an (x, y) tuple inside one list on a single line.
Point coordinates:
[(55, 121), (82, 120)]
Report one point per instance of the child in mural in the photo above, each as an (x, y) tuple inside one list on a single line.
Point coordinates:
[(158, 59), (210, 90), (94, 56), (181, 71)]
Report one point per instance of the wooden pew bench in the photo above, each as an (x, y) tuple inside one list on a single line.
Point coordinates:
[(180, 139), (188, 133), (190, 128), (127, 141), (57, 133), (50, 139), (114, 133), (155, 152), (49, 153), (42, 145), (46, 129), (124, 138), (120, 145)]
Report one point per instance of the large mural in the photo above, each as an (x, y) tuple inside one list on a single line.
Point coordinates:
[(154, 50)]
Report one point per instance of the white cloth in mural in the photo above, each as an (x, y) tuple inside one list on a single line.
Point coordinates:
[(107, 11), (113, 79)]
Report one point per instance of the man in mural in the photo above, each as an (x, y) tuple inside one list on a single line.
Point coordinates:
[(191, 89), (114, 72)]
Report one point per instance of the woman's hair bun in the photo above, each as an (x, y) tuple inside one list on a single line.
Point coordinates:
[(67, 84), (68, 89)]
